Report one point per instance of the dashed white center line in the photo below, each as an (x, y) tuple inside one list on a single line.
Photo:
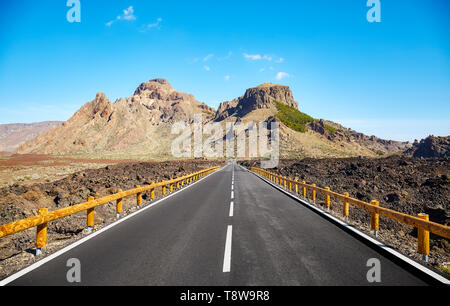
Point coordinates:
[(227, 255)]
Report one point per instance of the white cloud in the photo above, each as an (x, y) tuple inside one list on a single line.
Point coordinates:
[(207, 68), (280, 60), (282, 75), (150, 26), (128, 15), (257, 57), (254, 57), (227, 78), (208, 57)]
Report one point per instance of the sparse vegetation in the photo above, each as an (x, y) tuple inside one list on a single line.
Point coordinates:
[(292, 117), (295, 119), (445, 268), (330, 129), (379, 153)]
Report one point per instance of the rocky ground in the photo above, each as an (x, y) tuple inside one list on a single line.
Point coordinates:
[(30, 170), (407, 185), (22, 201)]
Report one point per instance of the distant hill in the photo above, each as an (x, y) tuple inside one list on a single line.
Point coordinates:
[(141, 125), (15, 134)]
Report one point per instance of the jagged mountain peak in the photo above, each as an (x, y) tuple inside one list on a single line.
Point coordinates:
[(153, 85), (264, 85), (260, 97), (139, 123)]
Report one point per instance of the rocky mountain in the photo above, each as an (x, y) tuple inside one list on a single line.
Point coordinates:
[(261, 97), (13, 135), (140, 124), (300, 134), (431, 146)]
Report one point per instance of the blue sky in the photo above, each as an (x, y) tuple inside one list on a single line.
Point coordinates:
[(390, 79)]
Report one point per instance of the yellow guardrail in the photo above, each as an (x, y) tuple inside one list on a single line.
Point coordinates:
[(40, 221), (421, 222)]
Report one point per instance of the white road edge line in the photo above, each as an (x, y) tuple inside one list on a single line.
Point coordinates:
[(232, 195), (43, 261), (370, 239), (227, 255), (231, 209)]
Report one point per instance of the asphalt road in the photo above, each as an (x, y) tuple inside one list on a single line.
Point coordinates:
[(198, 238)]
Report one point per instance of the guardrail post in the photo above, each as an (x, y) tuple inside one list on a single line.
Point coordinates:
[(152, 192), (304, 189), (90, 216), (290, 184), (119, 203), (178, 184), (327, 199), (296, 185), (314, 194), (345, 207), (375, 219), (164, 189), (284, 182), (138, 198), (41, 233), (423, 240), (171, 188)]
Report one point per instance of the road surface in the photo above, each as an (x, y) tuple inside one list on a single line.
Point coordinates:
[(230, 229)]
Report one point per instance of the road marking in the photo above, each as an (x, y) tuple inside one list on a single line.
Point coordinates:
[(231, 209), (232, 187), (227, 255), (232, 195)]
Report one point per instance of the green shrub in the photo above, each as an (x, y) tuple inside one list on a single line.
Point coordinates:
[(292, 117)]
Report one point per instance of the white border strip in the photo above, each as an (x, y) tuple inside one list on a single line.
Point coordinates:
[(363, 235), (83, 240)]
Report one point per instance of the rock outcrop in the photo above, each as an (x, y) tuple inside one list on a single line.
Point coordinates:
[(431, 146), (255, 98)]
